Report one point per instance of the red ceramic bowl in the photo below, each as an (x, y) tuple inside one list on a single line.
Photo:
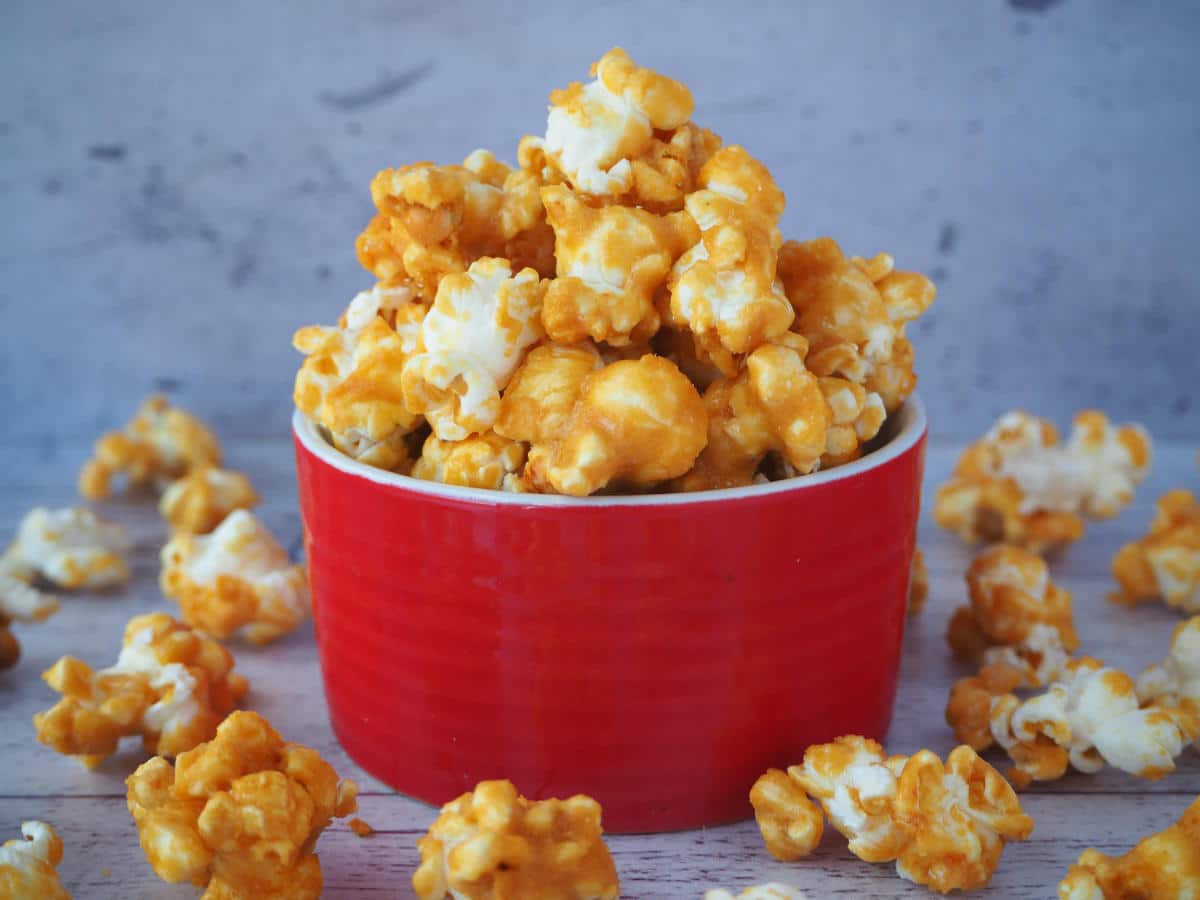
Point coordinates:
[(656, 652)]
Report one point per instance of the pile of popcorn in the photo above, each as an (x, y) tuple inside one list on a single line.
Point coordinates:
[(618, 313)]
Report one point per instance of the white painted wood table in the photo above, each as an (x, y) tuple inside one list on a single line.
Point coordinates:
[(1109, 810)]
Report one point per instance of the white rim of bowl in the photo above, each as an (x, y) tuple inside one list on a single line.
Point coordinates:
[(912, 427)]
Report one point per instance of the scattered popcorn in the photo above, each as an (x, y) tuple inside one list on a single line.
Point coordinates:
[(240, 814), (918, 585), (635, 423), (1166, 864), (724, 288), (170, 685), (350, 382), (200, 500), (1175, 682), (29, 867), (236, 580), (1166, 562), (483, 461), (70, 548), (1089, 718), (944, 825), (771, 891), (1011, 593), (611, 260), (542, 392), (1019, 485), (493, 842), (471, 342), (160, 444)]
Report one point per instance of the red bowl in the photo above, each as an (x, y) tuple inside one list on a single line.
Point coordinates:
[(656, 652)]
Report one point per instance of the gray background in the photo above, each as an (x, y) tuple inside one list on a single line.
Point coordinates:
[(181, 183)]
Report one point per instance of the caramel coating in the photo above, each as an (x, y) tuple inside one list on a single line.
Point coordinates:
[(159, 444), (200, 501), (791, 824), (1166, 864), (1165, 564), (492, 842), (170, 685), (542, 392), (1175, 682), (29, 866), (635, 423), (236, 580), (239, 815), (482, 461)]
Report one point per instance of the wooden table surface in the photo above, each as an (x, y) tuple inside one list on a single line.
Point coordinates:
[(1109, 810)]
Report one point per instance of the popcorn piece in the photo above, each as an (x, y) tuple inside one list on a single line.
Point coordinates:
[(542, 392), (1089, 718), (494, 843), (724, 287), (1011, 592), (198, 502), (611, 260), (636, 422), (435, 221), (483, 461), (918, 584), (969, 708), (853, 313), (774, 404), (1175, 682), (350, 382), (71, 548), (240, 814), (772, 891), (1019, 485), (1166, 864), (19, 599), (471, 342), (29, 867), (944, 825), (1166, 562), (160, 444), (236, 580), (601, 135), (170, 684)]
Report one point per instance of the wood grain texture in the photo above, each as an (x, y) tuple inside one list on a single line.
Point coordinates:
[(1109, 810)]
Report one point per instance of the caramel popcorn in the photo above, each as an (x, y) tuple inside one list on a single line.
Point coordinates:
[(160, 444), (772, 891), (236, 580), (1166, 562), (72, 548), (484, 461), (29, 866), (19, 601), (918, 585), (350, 382), (1175, 682), (1089, 718), (198, 502), (241, 814), (945, 825), (1019, 485), (1166, 864), (1011, 593), (611, 260), (492, 842), (470, 344), (634, 423), (542, 392), (969, 708), (170, 685)]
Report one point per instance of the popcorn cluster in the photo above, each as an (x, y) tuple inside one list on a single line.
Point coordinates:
[(944, 824), (1166, 864), (169, 684), (492, 842), (618, 313), (241, 814), (236, 581), (199, 501), (1165, 564), (1018, 484), (29, 866)]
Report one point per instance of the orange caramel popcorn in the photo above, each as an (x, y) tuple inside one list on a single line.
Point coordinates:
[(160, 444), (626, 231), (29, 865), (1165, 564), (170, 685), (199, 501), (492, 843), (239, 815), (943, 824)]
